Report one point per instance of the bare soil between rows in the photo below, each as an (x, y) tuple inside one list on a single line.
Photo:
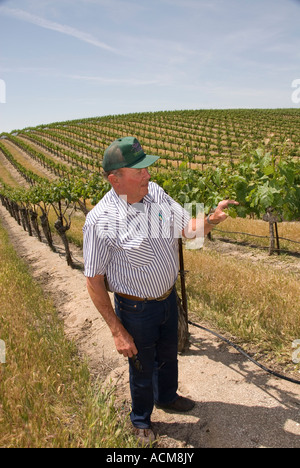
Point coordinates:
[(237, 404)]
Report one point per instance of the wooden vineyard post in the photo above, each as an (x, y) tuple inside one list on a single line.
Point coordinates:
[(272, 238), (183, 327), (277, 239), (272, 220)]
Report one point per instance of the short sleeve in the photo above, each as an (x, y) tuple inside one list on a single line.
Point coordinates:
[(96, 251)]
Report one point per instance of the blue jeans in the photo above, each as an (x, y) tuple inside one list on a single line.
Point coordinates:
[(154, 378)]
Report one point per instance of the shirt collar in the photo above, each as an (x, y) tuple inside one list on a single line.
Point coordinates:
[(120, 203), (125, 208), (149, 198)]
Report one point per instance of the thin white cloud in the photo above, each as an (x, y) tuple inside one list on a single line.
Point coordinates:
[(111, 81), (61, 28), (39, 70), (194, 4)]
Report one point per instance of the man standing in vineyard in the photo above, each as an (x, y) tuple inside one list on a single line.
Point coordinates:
[(131, 244)]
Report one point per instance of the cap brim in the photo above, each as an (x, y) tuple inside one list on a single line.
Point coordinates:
[(147, 161)]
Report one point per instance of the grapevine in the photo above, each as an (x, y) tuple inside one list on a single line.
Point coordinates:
[(206, 151)]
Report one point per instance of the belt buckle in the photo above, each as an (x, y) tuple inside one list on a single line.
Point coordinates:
[(163, 297)]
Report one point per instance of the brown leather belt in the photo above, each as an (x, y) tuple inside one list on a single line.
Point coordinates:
[(140, 299)]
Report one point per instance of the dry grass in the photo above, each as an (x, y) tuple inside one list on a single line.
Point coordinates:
[(47, 398), (253, 302)]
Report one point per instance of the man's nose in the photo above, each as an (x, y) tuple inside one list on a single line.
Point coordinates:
[(146, 173)]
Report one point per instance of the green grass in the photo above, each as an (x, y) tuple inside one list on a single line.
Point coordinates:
[(47, 396)]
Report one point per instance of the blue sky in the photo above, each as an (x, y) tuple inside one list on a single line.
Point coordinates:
[(68, 59)]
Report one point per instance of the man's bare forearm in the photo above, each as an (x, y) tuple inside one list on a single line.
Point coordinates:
[(99, 295)]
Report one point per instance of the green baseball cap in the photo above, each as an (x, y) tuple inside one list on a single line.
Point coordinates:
[(126, 152)]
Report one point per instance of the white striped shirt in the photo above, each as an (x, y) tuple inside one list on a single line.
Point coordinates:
[(135, 246)]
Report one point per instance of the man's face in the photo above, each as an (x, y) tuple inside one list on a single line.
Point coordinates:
[(131, 182)]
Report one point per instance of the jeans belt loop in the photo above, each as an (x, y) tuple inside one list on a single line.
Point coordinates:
[(139, 299)]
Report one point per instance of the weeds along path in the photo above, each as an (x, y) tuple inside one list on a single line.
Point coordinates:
[(238, 405)]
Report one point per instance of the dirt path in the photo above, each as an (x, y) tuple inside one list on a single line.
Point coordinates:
[(238, 405)]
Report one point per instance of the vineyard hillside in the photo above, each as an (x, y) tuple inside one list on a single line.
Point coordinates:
[(204, 137), (50, 178)]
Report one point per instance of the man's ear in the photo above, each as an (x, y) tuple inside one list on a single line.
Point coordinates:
[(113, 179)]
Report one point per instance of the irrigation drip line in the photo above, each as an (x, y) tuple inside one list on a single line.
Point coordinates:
[(254, 235), (261, 247), (242, 233), (289, 240), (240, 350)]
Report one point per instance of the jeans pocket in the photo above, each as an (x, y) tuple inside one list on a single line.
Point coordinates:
[(128, 306)]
